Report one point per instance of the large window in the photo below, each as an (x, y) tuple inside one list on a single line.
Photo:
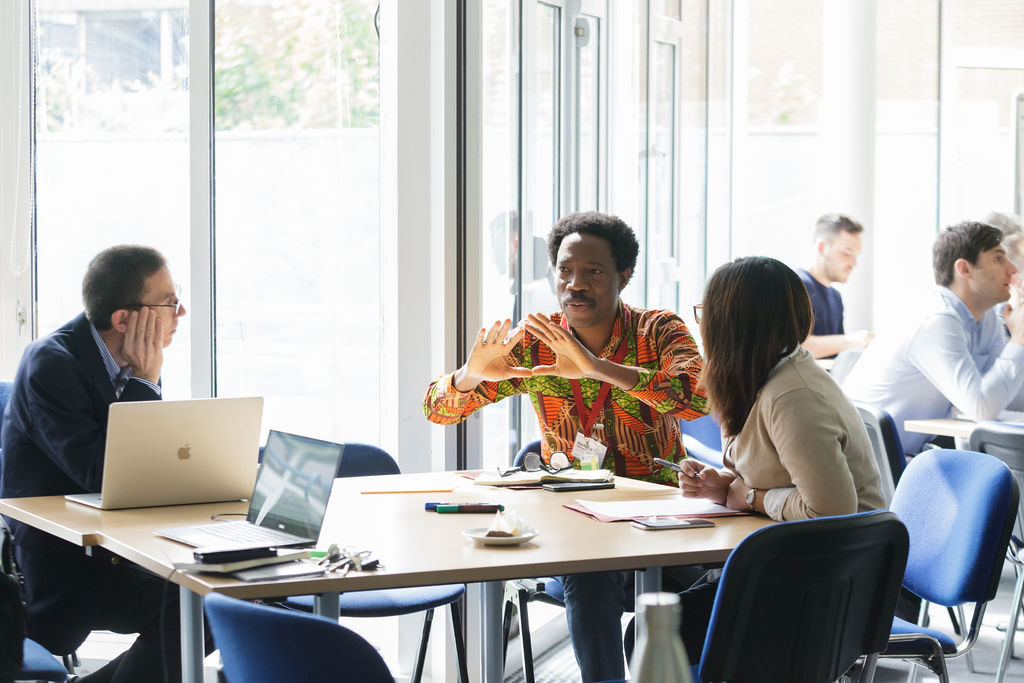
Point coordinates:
[(112, 129), (297, 178)]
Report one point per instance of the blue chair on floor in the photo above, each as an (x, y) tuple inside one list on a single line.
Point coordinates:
[(519, 593), (702, 439), (360, 460), (1006, 442), (802, 601), (959, 508), (39, 664), (260, 644)]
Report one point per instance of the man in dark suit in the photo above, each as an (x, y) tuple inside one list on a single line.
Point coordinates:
[(54, 436)]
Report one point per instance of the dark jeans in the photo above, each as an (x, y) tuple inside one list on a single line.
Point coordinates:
[(66, 601), (594, 604)]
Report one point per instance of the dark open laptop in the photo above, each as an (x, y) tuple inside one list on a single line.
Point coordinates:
[(288, 503)]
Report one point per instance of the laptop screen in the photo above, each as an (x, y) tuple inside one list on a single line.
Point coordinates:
[(294, 483)]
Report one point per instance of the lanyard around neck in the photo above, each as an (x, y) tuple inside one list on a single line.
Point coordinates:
[(589, 418)]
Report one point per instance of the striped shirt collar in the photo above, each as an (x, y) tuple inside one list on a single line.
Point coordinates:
[(113, 369)]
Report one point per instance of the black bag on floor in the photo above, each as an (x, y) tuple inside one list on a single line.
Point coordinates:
[(12, 608)]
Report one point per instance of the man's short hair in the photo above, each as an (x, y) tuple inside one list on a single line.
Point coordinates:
[(115, 279), (831, 224), (612, 228), (1007, 223), (1014, 245), (964, 240)]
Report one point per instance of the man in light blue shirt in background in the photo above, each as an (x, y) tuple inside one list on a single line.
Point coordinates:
[(960, 355)]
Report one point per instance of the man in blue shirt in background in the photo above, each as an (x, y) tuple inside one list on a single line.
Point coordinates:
[(836, 247), (959, 354)]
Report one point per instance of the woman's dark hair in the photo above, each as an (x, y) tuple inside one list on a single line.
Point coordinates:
[(619, 235), (756, 310), (115, 279)]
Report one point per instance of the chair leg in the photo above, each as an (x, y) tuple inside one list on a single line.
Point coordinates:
[(421, 656), (962, 632), (460, 644), (524, 637), (867, 673), (510, 608), (1011, 629)]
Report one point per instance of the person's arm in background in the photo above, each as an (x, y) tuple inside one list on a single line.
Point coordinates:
[(826, 345)]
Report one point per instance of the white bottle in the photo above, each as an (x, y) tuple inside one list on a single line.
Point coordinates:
[(659, 656)]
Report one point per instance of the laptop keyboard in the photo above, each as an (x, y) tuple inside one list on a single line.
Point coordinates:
[(246, 532)]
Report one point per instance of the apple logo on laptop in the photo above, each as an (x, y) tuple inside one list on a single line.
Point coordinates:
[(185, 452)]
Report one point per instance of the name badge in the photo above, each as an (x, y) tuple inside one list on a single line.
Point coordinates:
[(590, 452)]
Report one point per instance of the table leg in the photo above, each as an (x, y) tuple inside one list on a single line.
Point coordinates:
[(326, 605), (491, 662), (192, 652), (647, 581)]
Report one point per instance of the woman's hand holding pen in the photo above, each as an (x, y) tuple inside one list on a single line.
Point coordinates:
[(697, 480)]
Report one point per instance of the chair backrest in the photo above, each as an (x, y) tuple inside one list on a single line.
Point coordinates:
[(6, 386), (959, 508), (361, 460), (801, 601), (702, 439), (264, 644), (844, 363), (885, 444), (1006, 442), (532, 447)]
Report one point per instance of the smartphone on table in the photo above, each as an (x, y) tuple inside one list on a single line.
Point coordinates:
[(657, 523)]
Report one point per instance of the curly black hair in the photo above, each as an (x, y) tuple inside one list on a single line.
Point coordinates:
[(612, 228)]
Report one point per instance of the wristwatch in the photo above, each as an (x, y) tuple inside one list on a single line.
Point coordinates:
[(750, 497)]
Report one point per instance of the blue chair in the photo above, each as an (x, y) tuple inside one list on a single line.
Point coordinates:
[(803, 601), (360, 460), (6, 386), (519, 593), (264, 645), (885, 444), (1006, 442), (39, 664), (702, 439), (959, 508)]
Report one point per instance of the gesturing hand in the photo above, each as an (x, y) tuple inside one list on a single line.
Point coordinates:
[(143, 345), (572, 359), (488, 359)]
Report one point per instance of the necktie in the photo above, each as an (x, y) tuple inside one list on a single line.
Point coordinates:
[(121, 381)]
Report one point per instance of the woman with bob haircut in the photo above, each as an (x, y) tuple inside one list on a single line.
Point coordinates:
[(794, 446)]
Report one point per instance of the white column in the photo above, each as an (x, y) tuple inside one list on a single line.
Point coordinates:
[(847, 165), (417, 245), (201, 237), (16, 306)]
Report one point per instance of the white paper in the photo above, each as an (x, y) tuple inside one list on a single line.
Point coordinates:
[(655, 507)]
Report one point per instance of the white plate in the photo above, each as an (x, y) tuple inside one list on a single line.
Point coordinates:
[(479, 534)]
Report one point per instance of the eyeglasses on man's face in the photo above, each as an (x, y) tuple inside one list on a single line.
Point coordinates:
[(698, 312), (176, 305)]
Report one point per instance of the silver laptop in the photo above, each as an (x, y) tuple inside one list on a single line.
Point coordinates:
[(288, 503), (178, 452)]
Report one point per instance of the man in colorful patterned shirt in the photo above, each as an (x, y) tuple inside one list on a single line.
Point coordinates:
[(605, 378)]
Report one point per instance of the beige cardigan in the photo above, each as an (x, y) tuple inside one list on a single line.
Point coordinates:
[(803, 432)]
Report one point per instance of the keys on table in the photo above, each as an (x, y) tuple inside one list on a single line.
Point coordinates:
[(347, 559)]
